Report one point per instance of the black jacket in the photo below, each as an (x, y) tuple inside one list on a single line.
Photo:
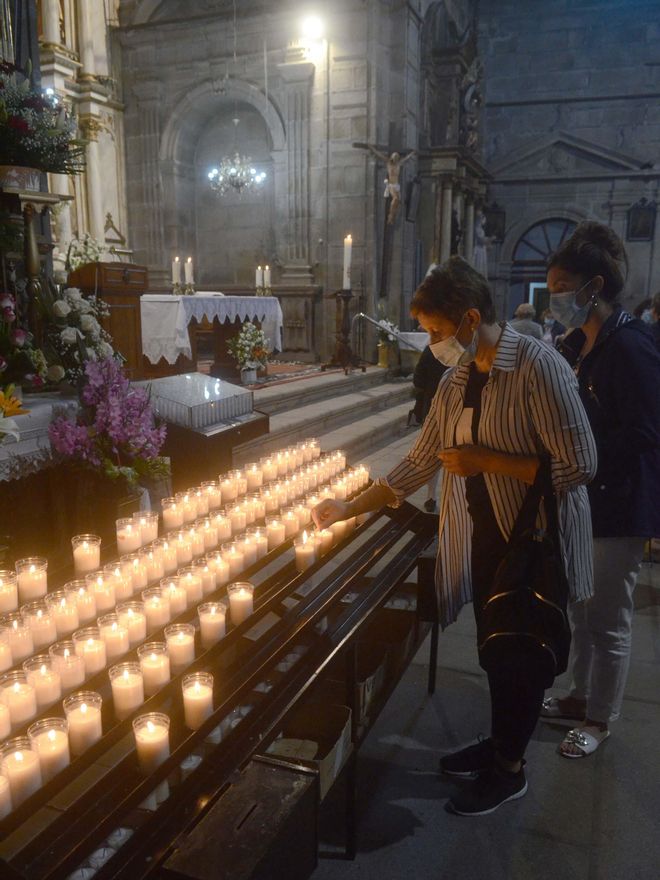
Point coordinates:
[(620, 389), (425, 383)]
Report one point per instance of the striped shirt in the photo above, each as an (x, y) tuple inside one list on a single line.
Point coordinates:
[(530, 406)]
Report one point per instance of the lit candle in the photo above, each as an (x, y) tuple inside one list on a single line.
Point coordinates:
[(234, 558), (197, 698), (184, 551), (89, 645), (102, 587), (5, 721), (248, 548), (147, 522), (19, 636), (315, 446), (271, 501), (327, 539), (6, 659), (8, 592), (302, 514), (180, 640), (64, 611), (348, 249), (86, 553), (19, 697), (267, 276), (212, 622), (176, 593), (69, 666), (32, 578), (291, 524), (210, 533), (223, 524), (42, 626), (50, 740), (152, 740), (20, 765), (275, 531), (131, 616), (156, 607), (221, 568), (254, 476), (170, 559), (115, 573), (83, 712), (238, 518), (192, 583), (207, 575), (269, 469), (196, 538), (172, 514), (229, 489), (260, 539), (282, 460), (240, 601), (247, 505), (129, 536), (155, 666), (153, 559), (202, 500), (188, 504), (44, 678), (127, 688), (5, 797), (259, 278), (188, 267), (176, 271), (213, 494), (305, 552)]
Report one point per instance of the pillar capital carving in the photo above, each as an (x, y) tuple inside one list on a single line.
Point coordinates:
[(91, 126), (301, 72)]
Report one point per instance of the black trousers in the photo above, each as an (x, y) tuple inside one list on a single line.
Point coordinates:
[(516, 689)]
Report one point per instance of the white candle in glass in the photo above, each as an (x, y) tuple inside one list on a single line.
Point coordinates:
[(247, 506), (305, 548), (19, 696), (197, 698), (210, 533), (196, 537), (259, 505), (180, 640), (170, 558), (154, 564), (282, 463), (155, 666), (20, 766), (271, 501), (254, 476), (5, 797), (156, 607), (8, 591), (184, 551), (303, 514), (223, 524), (5, 721), (64, 611), (102, 587), (115, 636), (220, 567), (228, 489), (50, 740), (19, 636), (127, 688), (202, 501), (338, 530), (32, 578), (172, 514), (176, 593), (86, 553), (115, 573), (212, 622), (152, 740), (241, 481), (192, 583), (69, 666), (77, 592), (234, 558), (213, 493), (42, 626), (129, 536), (275, 531), (45, 679), (89, 645), (260, 539), (240, 601), (188, 504), (6, 659), (83, 713), (269, 469), (248, 548), (147, 522), (290, 521), (238, 519), (327, 539), (131, 615), (207, 575)]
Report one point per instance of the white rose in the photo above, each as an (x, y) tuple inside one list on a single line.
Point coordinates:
[(105, 350), (69, 335), (61, 309), (89, 324), (55, 373), (73, 293), (83, 306)]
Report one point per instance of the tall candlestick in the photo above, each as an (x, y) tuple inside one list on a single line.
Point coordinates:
[(348, 250), (197, 698), (86, 553), (176, 271), (83, 712)]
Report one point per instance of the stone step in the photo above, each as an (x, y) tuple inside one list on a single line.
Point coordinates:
[(371, 433), (301, 392), (324, 416)]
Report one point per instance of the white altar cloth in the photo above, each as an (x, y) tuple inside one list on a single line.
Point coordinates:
[(165, 319), (32, 451), (413, 341)]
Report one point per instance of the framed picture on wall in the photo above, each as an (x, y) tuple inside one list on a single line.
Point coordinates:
[(641, 221)]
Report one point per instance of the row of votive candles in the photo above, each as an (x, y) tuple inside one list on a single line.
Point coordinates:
[(29, 762), (23, 694)]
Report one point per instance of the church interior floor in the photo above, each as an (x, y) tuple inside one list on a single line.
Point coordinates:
[(591, 819)]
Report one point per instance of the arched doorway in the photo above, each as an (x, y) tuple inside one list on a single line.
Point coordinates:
[(530, 257)]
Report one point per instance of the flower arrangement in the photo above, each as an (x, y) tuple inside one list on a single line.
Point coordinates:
[(387, 331), (115, 431), (249, 347), (9, 406), (73, 333), (83, 250), (36, 131), (20, 361)]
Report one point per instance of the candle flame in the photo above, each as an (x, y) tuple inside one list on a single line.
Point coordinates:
[(153, 656), (150, 727), (85, 546), (114, 627), (39, 614), (63, 603), (17, 688), (19, 756), (51, 735), (305, 536), (43, 669), (90, 642), (197, 687), (83, 707), (32, 571), (125, 674), (66, 653)]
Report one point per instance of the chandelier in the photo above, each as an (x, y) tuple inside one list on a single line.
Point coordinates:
[(235, 174)]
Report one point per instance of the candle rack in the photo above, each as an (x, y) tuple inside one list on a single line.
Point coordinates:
[(343, 355), (315, 617)]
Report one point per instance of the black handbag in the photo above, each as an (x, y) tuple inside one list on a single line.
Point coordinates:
[(524, 619)]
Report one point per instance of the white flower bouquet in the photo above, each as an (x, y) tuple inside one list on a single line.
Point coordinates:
[(249, 348)]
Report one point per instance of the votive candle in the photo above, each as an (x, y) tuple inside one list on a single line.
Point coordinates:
[(69, 665), (44, 678), (127, 688), (131, 615), (83, 712), (89, 645), (180, 640), (85, 600), (8, 591), (32, 578), (129, 536), (197, 698), (86, 553), (50, 740), (155, 666), (212, 622), (241, 598), (20, 766)]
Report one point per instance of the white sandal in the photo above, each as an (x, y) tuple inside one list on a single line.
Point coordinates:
[(585, 739)]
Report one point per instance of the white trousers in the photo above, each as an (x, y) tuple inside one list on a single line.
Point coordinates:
[(602, 628)]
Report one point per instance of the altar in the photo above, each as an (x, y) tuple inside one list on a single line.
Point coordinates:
[(169, 327)]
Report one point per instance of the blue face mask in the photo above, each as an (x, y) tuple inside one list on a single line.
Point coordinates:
[(450, 352), (565, 309)]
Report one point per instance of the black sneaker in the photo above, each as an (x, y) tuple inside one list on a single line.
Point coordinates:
[(492, 788), (470, 761)]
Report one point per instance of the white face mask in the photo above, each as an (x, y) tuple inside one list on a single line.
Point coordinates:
[(565, 309), (450, 352)]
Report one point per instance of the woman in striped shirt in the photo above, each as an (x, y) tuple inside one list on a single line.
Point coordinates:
[(509, 400)]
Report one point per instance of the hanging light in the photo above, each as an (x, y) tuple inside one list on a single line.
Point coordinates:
[(235, 173)]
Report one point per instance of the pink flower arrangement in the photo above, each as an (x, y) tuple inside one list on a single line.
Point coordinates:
[(115, 429)]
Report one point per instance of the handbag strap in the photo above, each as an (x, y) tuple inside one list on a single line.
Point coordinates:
[(541, 488)]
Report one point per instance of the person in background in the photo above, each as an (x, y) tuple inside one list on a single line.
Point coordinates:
[(508, 400), (643, 310), (655, 318), (551, 328), (618, 370), (426, 377), (524, 321)]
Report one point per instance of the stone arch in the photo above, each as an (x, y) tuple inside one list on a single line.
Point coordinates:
[(517, 230)]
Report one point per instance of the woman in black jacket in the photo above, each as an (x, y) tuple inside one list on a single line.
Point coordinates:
[(618, 369)]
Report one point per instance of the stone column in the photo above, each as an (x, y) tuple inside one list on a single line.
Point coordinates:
[(91, 39), (146, 190), (92, 127), (50, 18), (298, 78), (468, 239), (445, 229)]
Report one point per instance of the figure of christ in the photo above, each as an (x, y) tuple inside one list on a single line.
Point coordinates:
[(393, 164)]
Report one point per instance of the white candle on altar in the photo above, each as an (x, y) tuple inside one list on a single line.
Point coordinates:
[(152, 740), (69, 666), (156, 607), (348, 250), (188, 268), (267, 276), (86, 553), (212, 616), (180, 640), (259, 278), (32, 577), (155, 666), (127, 688), (129, 536), (19, 697), (176, 271), (20, 765), (305, 548), (8, 592), (197, 698), (131, 616), (240, 601), (50, 740), (275, 532), (89, 645), (45, 679), (83, 712)]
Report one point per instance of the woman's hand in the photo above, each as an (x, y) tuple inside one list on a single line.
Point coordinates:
[(330, 511), (464, 461)]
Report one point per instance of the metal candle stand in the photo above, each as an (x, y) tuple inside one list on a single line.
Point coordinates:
[(344, 356)]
